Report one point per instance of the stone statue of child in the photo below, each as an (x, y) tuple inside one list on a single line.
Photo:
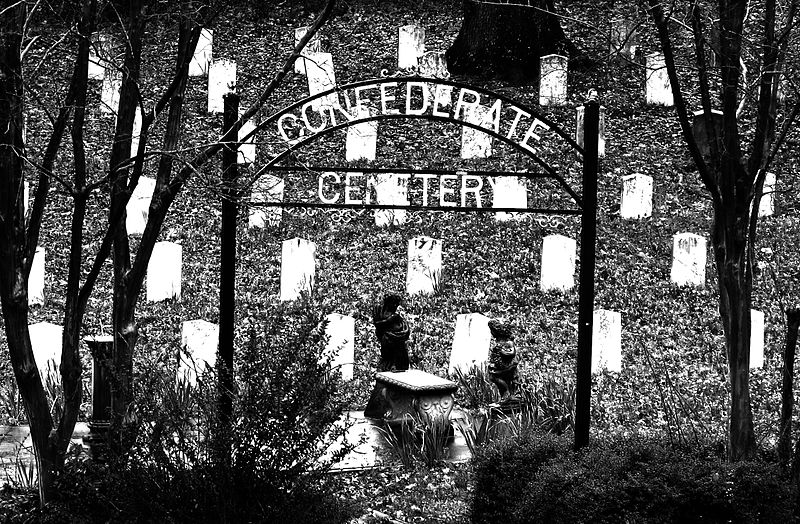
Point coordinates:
[(392, 332), (503, 361)]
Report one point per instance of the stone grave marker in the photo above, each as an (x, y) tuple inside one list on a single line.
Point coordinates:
[(637, 196), (553, 80), (606, 340), (138, 207), (410, 46), (109, 91), (699, 126), (313, 46), (26, 194), (624, 38), (137, 131), (202, 53), (580, 126), (688, 260), (199, 341), (36, 278), (46, 345), (221, 80), (298, 268), (657, 89), (246, 154), (509, 191), (766, 207), (164, 272), (321, 77), (475, 143), (100, 56), (390, 188), (470, 342), (433, 64), (558, 263), (424, 265), (362, 139), (268, 188), (756, 339), (340, 346)]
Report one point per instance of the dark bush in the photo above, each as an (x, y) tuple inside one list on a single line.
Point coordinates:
[(539, 478)]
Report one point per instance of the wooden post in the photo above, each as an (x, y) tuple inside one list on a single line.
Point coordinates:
[(227, 277), (583, 393)]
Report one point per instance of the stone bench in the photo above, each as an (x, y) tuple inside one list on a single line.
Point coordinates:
[(417, 393)]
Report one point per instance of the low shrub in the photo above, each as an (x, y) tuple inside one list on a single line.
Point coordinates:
[(540, 478)]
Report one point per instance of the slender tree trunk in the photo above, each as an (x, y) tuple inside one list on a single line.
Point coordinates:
[(787, 393)]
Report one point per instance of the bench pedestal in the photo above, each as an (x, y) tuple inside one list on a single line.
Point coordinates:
[(415, 393)]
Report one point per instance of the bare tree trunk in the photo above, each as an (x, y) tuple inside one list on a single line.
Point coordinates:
[(787, 393)]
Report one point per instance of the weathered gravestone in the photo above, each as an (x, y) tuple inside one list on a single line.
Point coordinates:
[(221, 80), (433, 64), (268, 188), (46, 345), (313, 46), (340, 345), (558, 263), (137, 131), (109, 91), (688, 260), (138, 207), (756, 339), (606, 340), (246, 154), (658, 90), (701, 128), (410, 46), (553, 80), (202, 54), (101, 56), (470, 342), (199, 341), (624, 38), (424, 265), (36, 278), (766, 208), (390, 189), (298, 268), (475, 143), (509, 191), (321, 77), (637, 196), (164, 272), (580, 126), (362, 139)]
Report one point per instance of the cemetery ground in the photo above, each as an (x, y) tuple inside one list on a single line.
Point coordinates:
[(672, 386)]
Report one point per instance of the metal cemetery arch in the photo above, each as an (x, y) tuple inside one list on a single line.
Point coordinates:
[(433, 104)]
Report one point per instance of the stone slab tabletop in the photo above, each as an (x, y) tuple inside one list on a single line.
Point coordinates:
[(416, 380)]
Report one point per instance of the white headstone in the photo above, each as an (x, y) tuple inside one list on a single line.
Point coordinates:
[(624, 38), (246, 153), (202, 54), (657, 90), (410, 46), (390, 188), (601, 139), (199, 342), (321, 77), (36, 278), (298, 267), (470, 342), (313, 46), (164, 272), (475, 143), (553, 80), (509, 191), (138, 207), (766, 207), (109, 91), (46, 344), (137, 131), (756, 339), (26, 193), (100, 56), (558, 263), (637, 196), (424, 265), (221, 80), (688, 260), (362, 139), (268, 188), (606, 340), (340, 346)]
